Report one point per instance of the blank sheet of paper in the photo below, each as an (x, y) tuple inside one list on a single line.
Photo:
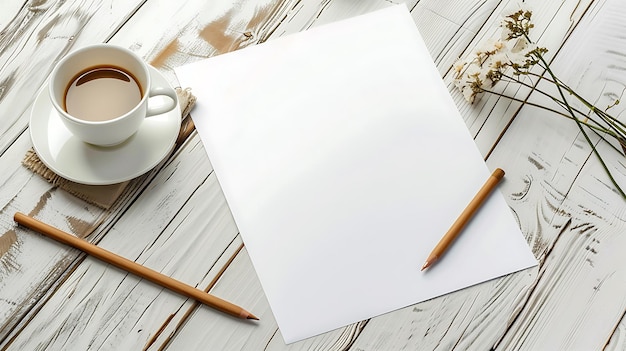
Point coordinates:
[(344, 160)]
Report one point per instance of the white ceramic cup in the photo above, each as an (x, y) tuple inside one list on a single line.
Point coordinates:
[(115, 130)]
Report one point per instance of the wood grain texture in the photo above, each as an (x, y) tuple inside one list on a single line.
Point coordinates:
[(33, 38), (200, 230), (489, 118), (199, 30), (24, 305), (23, 301), (37, 36), (582, 266), (28, 257), (175, 219)]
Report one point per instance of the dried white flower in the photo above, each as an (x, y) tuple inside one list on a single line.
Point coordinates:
[(490, 62), (511, 58)]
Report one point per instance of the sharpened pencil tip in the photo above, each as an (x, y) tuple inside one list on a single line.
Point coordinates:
[(247, 315), (429, 261)]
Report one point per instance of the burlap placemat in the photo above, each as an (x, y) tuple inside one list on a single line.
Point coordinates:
[(105, 196)]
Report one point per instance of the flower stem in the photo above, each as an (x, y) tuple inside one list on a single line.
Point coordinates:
[(579, 124), (598, 131), (597, 126)]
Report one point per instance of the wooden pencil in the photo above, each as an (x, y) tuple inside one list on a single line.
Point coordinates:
[(133, 267), (465, 216)]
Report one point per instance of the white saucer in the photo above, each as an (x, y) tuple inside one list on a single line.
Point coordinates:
[(83, 163)]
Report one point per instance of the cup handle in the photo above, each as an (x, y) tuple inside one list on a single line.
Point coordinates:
[(167, 106)]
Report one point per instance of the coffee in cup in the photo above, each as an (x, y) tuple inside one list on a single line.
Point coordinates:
[(102, 93), (118, 92)]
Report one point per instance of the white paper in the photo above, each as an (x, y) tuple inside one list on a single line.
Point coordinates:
[(344, 160)]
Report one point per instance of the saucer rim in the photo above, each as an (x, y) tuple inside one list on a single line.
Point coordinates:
[(134, 173)]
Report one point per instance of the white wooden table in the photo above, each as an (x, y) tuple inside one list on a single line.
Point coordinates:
[(174, 219)]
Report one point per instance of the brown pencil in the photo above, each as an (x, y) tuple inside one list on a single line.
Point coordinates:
[(465, 216), (133, 267)]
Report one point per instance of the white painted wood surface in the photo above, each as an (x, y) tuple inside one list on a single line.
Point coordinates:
[(174, 219)]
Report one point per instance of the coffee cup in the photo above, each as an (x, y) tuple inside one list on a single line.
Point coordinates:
[(103, 93)]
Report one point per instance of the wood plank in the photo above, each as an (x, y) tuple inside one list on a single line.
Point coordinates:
[(566, 207), (537, 203), (34, 37), (581, 281), (448, 322), (488, 118), (346, 336), (25, 257), (232, 334), (47, 322), (516, 289), (37, 36), (617, 340), (22, 300), (198, 29), (177, 226), (295, 20), (541, 197)]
